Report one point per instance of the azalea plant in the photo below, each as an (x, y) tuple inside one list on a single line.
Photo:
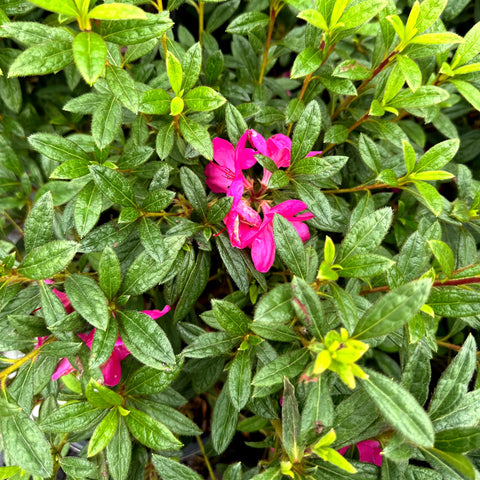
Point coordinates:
[(239, 239)]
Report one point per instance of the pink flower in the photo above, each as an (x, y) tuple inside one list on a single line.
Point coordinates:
[(369, 450), (111, 369), (263, 244), (245, 226), (228, 163)]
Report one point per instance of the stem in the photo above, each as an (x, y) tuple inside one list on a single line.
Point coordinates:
[(21, 361), (205, 458), (450, 346), (348, 100), (12, 221), (201, 6), (436, 283), (273, 16), (360, 188), (350, 130)]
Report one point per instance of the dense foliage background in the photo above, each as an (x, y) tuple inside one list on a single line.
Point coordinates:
[(239, 236)]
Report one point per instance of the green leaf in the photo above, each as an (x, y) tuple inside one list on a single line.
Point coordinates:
[(444, 255), (291, 423), (234, 262), (71, 169), (146, 340), (400, 409), (117, 11), (437, 38), (218, 211), (308, 307), (155, 102), (315, 200), (453, 384), (65, 7), (288, 365), (224, 421), (119, 452), (239, 379), (424, 96), (133, 32), (244, 23), (366, 235), (46, 260), (175, 73), (458, 440), (393, 310), (88, 300), (306, 62), (50, 57), (430, 11), (369, 153), (451, 465), (103, 433), (78, 467), (429, 196), (123, 87), (148, 380), (212, 344), (194, 191), (144, 274), (106, 121), (27, 446), (171, 470), (88, 207), (203, 99), (314, 17), (306, 132), (336, 134), (39, 223), (361, 266), (152, 239), (410, 71), (467, 90), (150, 432), (230, 317), (362, 12), (236, 125), (110, 275), (172, 418), (90, 54), (345, 306), (469, 49), (165, 140), (113, 185), (197, 136), (289, 246), (194, 286), (454, 302), (57, 148), (72, 417), (438, 156), (103, 344), (191, 66), (158, 200)]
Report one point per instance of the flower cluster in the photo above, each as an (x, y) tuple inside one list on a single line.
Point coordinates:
[(245, 226), (111, 369)]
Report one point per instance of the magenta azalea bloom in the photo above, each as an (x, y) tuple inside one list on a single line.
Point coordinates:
[(228, 163), (245, 225), (369, 450), (111, 369), (263, 244)]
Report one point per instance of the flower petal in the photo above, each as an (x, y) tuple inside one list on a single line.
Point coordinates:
[(263, 248), (63, 368)]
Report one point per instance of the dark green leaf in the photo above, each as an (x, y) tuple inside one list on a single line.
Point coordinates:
[(114, 185), (393, 310), (39, 223), (88, 300)]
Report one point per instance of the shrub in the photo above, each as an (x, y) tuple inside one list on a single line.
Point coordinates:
[(246, 230)]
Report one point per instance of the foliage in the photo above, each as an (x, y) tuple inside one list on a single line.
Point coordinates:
[(335, 141)]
